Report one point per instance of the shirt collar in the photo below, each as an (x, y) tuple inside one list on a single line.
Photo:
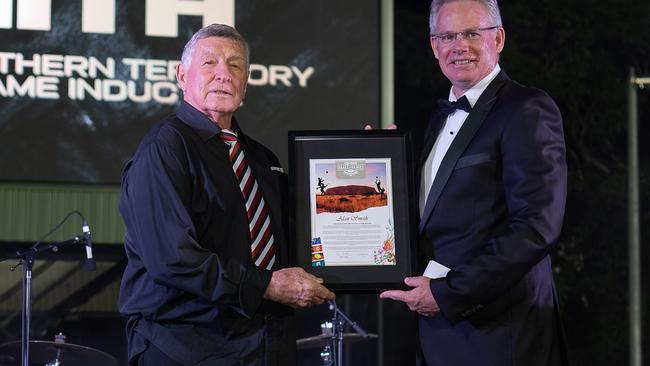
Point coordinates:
[(475, 92), (203, 126)]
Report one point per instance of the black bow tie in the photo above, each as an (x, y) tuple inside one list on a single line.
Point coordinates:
[(446, 107)]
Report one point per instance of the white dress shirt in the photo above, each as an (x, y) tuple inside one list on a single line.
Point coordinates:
[(447, 135)]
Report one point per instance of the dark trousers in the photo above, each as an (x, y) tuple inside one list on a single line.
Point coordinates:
[(153, 356)]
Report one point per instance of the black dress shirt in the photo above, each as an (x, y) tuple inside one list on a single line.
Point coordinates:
[(190, 286)]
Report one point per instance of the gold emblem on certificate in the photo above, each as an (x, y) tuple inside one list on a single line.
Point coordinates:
[(351, 208)]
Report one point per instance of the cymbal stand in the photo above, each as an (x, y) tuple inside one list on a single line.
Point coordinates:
[(27, 258), (28, 264), (338, 324)]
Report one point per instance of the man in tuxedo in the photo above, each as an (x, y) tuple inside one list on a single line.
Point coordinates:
[(492, 195), (205, 236)]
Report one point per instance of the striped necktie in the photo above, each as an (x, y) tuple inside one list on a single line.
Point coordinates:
[(259, 222)]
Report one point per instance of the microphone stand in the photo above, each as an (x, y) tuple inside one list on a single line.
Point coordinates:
[(27, 258), (338, 323)]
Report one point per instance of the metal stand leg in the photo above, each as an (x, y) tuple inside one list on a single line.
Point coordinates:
[(27, 308), (338, 322)]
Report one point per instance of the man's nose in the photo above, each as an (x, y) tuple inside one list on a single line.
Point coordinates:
[(461, 45), (222, 73)]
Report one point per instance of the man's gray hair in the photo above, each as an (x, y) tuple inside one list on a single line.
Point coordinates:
[(213, 30), (490, 5)]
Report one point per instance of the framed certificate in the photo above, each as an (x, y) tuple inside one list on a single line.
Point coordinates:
[(352, 207)]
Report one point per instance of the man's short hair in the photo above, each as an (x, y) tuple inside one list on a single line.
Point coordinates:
[(213, 30), (490, 5)]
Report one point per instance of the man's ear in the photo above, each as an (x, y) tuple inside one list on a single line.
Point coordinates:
[(500, 39), (433, 46), (248, 76), (180, 76)]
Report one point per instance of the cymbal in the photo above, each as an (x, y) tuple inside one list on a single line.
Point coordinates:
[(42, 352), (323, 340)]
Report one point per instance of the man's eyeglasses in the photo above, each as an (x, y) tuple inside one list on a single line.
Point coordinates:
[(470, 35)]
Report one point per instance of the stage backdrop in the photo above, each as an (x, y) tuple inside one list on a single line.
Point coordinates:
[(81, 81)]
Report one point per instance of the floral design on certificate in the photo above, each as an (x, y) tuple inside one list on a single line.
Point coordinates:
[(386, 253)]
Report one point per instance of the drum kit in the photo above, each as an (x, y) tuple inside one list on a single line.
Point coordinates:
[(60, 353), (333, 337), (57, 353)]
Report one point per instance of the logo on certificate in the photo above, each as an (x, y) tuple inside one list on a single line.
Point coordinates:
[(317, 256), (317, 259), (350, 169)]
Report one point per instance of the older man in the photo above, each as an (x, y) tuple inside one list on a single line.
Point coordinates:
[(492, 195), (205, 233)]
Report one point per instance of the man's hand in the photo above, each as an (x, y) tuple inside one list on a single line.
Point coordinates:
[(418, 299), (297, 288), (369, 126)]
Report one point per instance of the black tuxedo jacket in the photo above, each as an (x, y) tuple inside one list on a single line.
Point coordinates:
[(493, 213)]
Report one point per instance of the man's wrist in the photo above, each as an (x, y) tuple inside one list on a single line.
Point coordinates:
[(252, 288)]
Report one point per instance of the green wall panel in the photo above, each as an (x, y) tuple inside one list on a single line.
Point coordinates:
[(29, 210)]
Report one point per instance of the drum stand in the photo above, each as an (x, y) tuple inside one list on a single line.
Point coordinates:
[(27, 258), (339, 320)]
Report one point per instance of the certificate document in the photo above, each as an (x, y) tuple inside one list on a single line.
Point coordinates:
[(351, 209)]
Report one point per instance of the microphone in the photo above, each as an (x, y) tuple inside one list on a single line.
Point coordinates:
[(90, 261)]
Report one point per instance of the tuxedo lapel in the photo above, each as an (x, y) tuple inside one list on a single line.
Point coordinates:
[(464, 137)]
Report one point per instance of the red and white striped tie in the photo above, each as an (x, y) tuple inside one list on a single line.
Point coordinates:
[(259, 222)]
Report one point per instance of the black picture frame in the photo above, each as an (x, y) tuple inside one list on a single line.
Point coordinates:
[(354, 144)]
